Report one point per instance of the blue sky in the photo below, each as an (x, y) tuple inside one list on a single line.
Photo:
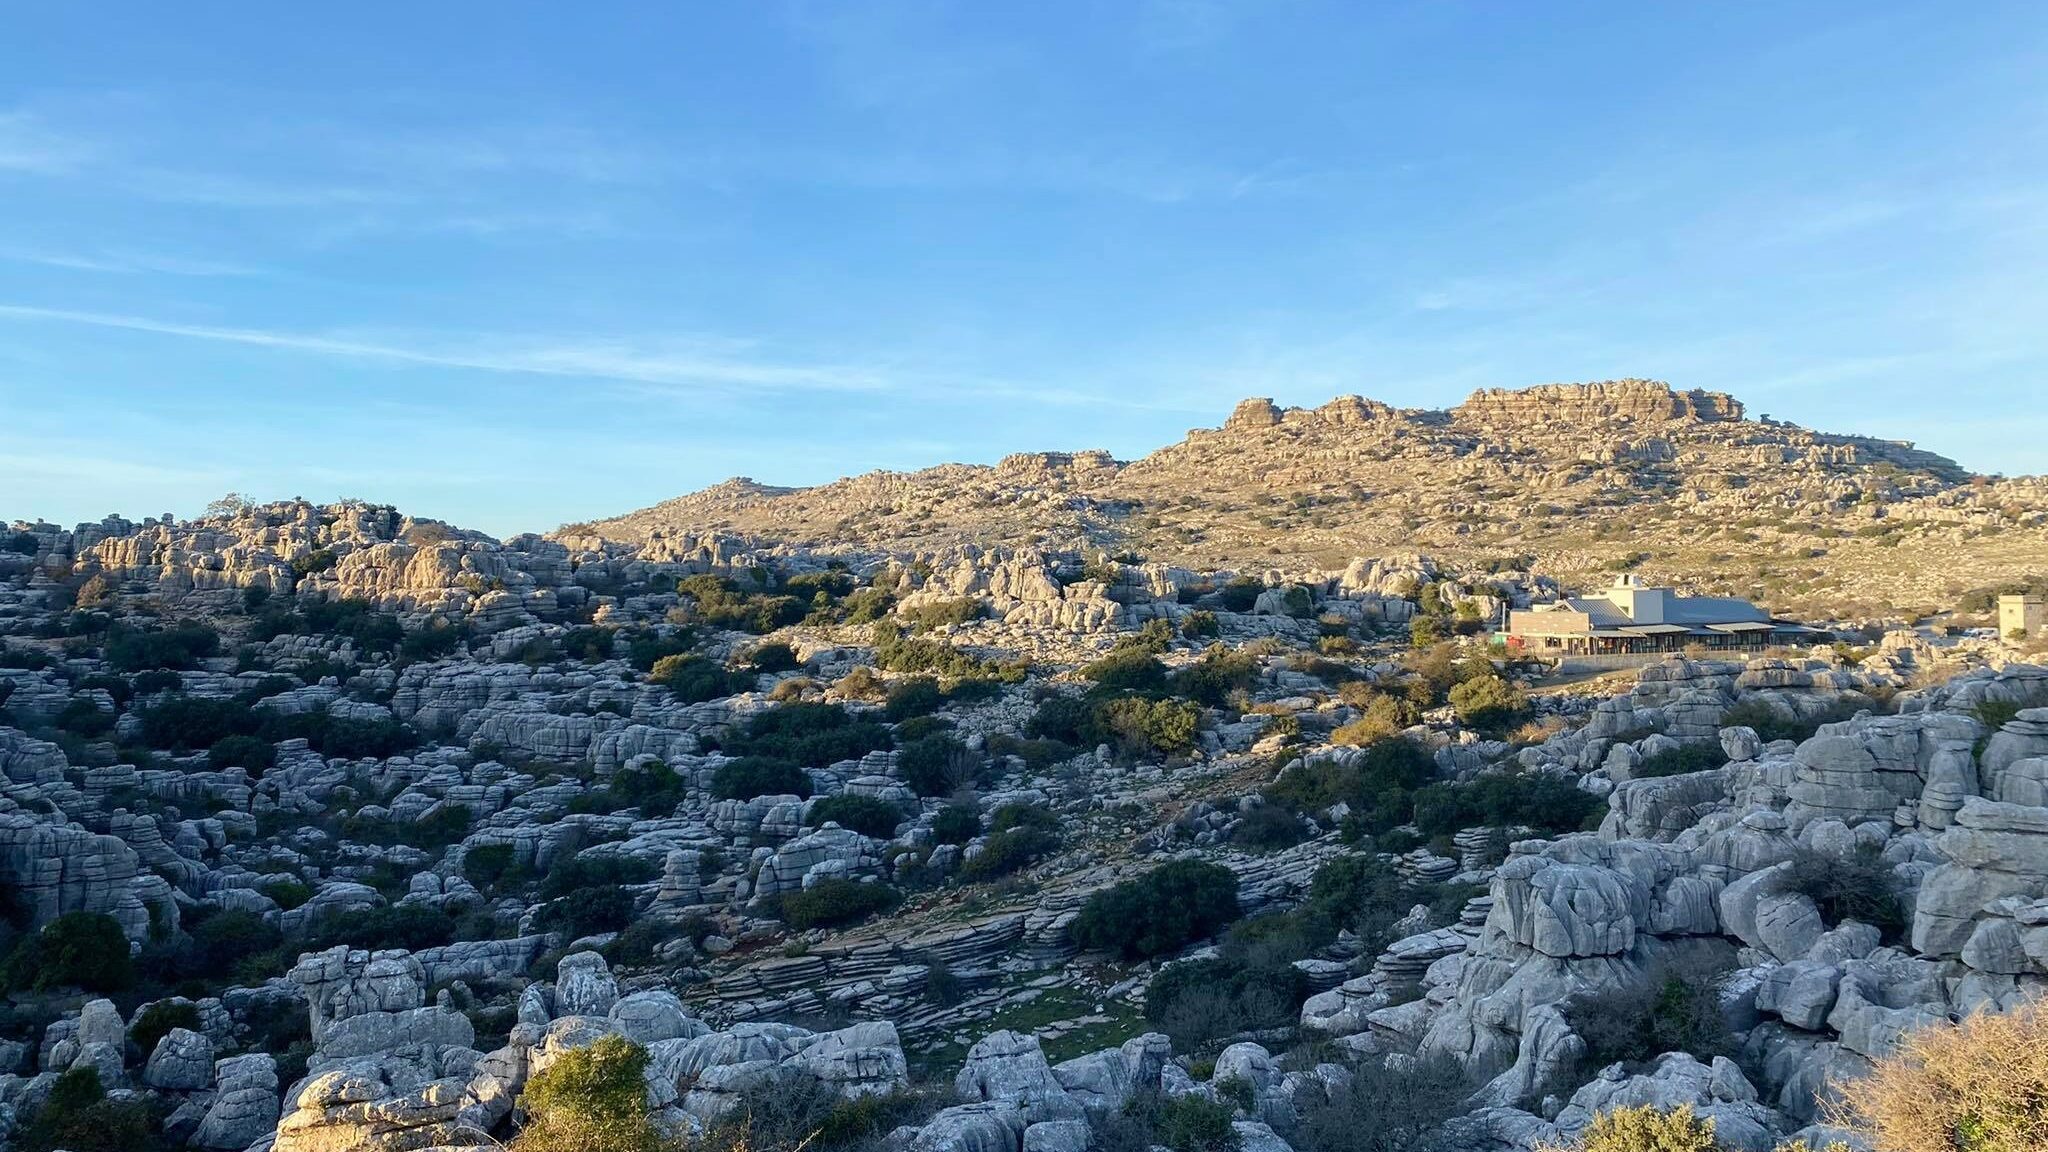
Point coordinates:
[(514, 264)]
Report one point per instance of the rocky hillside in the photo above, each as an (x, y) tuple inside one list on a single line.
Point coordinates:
[(322, 827), (1573, 479)]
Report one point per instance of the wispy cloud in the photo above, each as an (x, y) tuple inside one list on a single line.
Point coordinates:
[(129, 263), (28, 145), (691, 366)]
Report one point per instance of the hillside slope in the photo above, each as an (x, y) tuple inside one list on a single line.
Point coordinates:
[(1581, 478)]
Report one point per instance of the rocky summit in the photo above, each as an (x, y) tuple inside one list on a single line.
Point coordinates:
[(1578, 479), (1212, 800)]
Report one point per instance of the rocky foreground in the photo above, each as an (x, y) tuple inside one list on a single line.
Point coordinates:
[(326, 828)]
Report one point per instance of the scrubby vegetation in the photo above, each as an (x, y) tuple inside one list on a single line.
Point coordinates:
[(1159, 912)]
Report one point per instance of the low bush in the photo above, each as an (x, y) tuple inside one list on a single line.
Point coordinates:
[(957, 823), (863, 814), (915, 696), (1681, 760), (751, 776), (1644, 1128), (182, 645), (654, 788), (78, 1116), (835, 902), (1140, 727), (773, 657), (1127, 670), (1860, 886), (1218, 676), (591, 1099), (588, 911), (1977, 1086), (1268, 828), (1197, 1001), (695, 679), (1546, 803), (252, 753), (1197, 1124), (940, 614), (726, 604), (1383, 1108), (1675, 1012), (1160, 912), (411, 927), (1376, 783), (84, 950), (1019, 836), (156, 1022), (486, 864), (937, 765), (811, 734), (1201, 624), (1489, 703)]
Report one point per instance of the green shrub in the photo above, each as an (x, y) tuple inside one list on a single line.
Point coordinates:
[(751, 776), (1127, 670), (1545, 803), (1770, 724), (654, 788), (157, 1020), (585, 871), (811, 734), (724, 604), (238, 751), (1644, 1128), (589, 645), (957, 823), (1489, 702), (78, 1116), (863, 814), (591, 1099), (1197, 1124), (182, 645), (1635, 1025), (645, 649), (1141, 727), (1019, 836), (1220, 674), (1383, 1108), (1679, 761), (940, 613), (1196, 1001), (1159, 912), (307, 563), (588, 912), (485, 864), (916, 696), (1860, 886), (434, 641), (695, 680), (835, 902), (1241, 593), (78, 949), (937, 765), (1063, 718), (1377, 782), (224, 939), (411, 927), (773, 657), (1268, 828), (1201, 624)]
